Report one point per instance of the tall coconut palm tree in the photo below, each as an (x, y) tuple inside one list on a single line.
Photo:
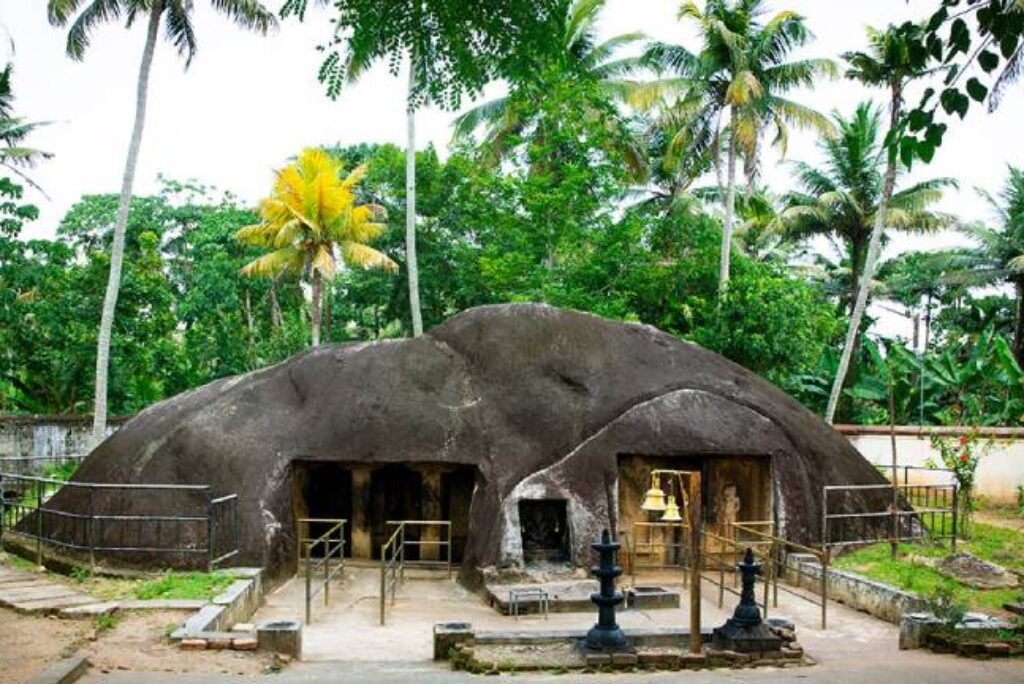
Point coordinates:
[(85, 16), (734, 87), (14, 154), (581, 57), (999, 254), (892, 62), (313, 225), (840, 198)]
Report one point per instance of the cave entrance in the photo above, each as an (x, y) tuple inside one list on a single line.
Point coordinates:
[(323, 490), (396, 493), (368, 496), (736, 487), (544, 527)]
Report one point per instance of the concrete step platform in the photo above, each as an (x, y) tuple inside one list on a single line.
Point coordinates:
[(27, 592)]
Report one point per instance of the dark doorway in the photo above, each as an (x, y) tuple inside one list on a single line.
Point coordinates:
[(323, 490), (395, 494), (456, 496), (545, 529)]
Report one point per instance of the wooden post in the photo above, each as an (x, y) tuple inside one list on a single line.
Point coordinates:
[(696, 641)]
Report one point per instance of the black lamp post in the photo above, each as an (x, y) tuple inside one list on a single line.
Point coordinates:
[(606, 634)]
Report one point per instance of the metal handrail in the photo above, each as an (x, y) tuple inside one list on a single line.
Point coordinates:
[(780, 546), (931, 500), (31, 515), (393, 561), (332, 545), (738, 548)]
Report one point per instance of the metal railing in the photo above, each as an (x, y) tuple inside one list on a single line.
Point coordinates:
[(778, 548), (887, 469), (185, 524), (393, 557), (332, 546), (720, 553), (733, 548), (657, 546), (914, 512)]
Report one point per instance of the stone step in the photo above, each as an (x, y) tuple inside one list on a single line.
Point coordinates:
[(41, 590), (89, 610), (7, 575), (52, 605), (30, 582)]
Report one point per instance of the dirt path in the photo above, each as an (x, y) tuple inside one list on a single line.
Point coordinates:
[(135, 642), (30, 643)]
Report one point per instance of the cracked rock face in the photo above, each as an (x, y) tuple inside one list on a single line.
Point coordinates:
[(541, 401)]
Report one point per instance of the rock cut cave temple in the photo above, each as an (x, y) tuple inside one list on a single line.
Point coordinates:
[(530, 428)]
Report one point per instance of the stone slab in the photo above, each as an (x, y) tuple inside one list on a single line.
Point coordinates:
[(52, 605), (41, 590), (203, 620), (62, 672), (89, 610), (14, 583), (162, 604)]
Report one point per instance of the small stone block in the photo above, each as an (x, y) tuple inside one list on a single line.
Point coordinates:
[(89, 610), (219, 643), (595, 659), (64, 671), (693, 660), (657, 659), (244, 643), (998, 648), (243, 627), (193, 644), (624, 659)]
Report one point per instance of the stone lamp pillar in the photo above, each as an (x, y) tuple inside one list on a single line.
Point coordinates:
[(606, 634), (745, 632)]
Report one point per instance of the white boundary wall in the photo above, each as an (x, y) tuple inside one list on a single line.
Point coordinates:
[(999, 472)]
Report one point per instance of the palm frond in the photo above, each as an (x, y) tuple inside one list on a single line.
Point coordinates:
[(356, 254), (247, 14), (96, 13)]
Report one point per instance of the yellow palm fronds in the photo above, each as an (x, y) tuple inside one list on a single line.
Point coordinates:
[(311, 217), (358, 254)]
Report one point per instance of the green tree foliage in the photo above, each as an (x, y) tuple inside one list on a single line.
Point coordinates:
[(582, 58), (976, 49), (15, 155), (839, 198), (998, 256), (460, 45), (741, 72)]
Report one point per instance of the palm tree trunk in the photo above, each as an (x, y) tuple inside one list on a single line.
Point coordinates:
[(318, 289), (874, 248), (276, 317), (410, 209), (856, 273), (327, 296), (1018, 323), (99, 420), (730, 210)]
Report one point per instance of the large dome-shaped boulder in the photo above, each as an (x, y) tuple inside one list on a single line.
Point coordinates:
[(539, 400)]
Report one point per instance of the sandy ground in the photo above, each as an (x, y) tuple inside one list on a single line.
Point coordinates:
[(31, 643), (136, 642)]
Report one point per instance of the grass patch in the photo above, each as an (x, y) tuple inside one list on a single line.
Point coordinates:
[(184, 585), (989, 542)]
